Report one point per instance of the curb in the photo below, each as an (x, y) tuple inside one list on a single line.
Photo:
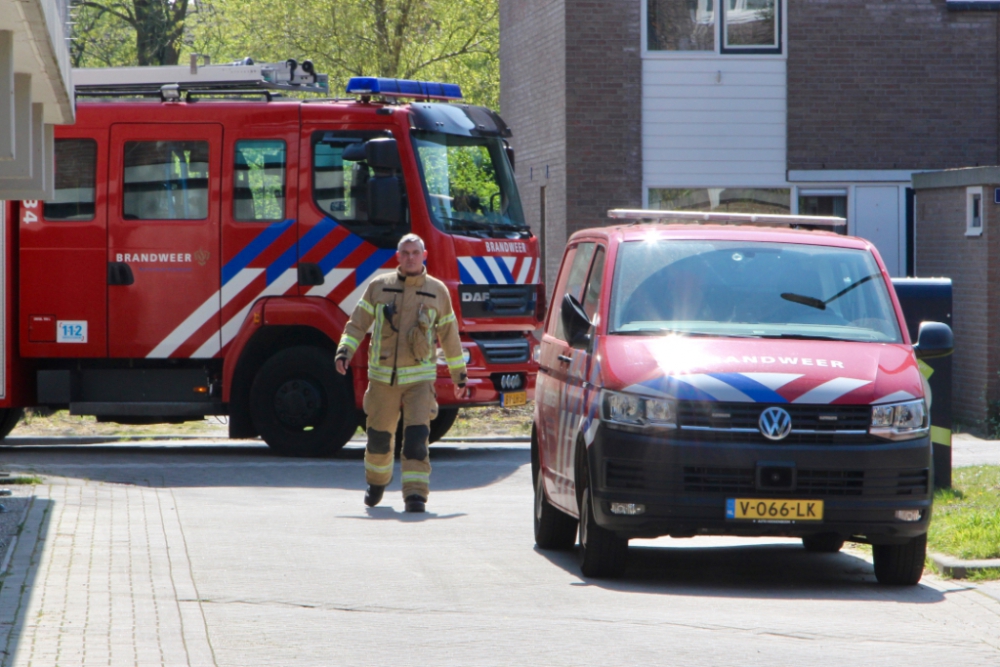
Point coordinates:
[(960, 569)]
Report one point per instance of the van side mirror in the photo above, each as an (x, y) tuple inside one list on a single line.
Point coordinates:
[(383, 154), (934, 340), (575, 322)]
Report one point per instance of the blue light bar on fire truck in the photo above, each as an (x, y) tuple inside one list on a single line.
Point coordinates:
[(429, 90), (700, 217)]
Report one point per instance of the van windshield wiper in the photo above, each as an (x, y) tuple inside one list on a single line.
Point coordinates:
[(788, 336), (661, 331), (819, 304)]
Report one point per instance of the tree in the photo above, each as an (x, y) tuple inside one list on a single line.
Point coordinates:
[(157, 26), (456, 40)]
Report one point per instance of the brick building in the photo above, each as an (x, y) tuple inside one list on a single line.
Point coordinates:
[(811, 106)]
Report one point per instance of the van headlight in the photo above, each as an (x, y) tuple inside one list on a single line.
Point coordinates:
[(900, 421), (638, 411)]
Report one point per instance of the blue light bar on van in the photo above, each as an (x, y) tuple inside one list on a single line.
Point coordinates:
[(370, 85)]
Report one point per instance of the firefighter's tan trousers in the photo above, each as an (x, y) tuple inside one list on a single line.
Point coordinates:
[(382, 404)]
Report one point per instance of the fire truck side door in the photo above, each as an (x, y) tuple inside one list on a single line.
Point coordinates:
[(163, 240)]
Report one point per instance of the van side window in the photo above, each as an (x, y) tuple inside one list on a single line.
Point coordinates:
[(574, 283), (165, 180), (345, 187), (259, 180), (592, 296), (76, 166)]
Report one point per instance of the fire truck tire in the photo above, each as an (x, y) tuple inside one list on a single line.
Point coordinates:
[(301, 405), (603, 554), (8, 420), (553, 529), (900, 564)]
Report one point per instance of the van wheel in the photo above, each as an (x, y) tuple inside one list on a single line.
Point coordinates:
[(553, 529), (602, 553), (900, 564), (301, 405), (9, 417), (827, 543)]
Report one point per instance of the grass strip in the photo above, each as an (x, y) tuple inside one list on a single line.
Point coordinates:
[(966, 521)]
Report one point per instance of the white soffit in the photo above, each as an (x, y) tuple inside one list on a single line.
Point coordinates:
[(41, 49)]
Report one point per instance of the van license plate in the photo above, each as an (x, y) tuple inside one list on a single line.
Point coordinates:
[(767, 510), (511, 399)]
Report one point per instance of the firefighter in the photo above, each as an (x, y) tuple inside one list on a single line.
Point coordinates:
[(407, 311)]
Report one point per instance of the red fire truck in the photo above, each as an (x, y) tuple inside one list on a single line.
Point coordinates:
[(208, 236)]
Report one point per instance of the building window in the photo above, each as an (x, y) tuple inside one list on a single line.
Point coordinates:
[(723, 200), (720, 26), (974, 211), (824, 202), (259, 180)]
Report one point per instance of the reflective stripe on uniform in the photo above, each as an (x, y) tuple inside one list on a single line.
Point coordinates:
[(455, 362), (371, 467), (416, 477), (349, 341), (380, 374), (375, 347), (450, 317), (367, 307), (411, 374)]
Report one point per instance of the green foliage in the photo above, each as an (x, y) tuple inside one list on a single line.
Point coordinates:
[(447, 40), (104, 27), (966, 520)]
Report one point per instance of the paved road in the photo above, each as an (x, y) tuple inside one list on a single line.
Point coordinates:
[(225, 555)]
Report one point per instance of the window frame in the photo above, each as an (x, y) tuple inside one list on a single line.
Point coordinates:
[(773, 53), (284, 180), (208, 180), (93, 188), (973, 194)]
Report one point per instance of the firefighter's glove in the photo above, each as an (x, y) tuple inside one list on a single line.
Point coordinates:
[(419, 337)]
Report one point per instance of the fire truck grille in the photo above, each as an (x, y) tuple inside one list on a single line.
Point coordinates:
[(504, 348), (811, 424)]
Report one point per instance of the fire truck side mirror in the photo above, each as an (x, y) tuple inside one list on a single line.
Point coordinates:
[(509, 150), (383, 154)]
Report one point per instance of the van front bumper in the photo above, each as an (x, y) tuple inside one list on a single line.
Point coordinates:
[(683, 485)]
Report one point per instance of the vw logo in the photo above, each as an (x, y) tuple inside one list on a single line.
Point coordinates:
[(775, 423)]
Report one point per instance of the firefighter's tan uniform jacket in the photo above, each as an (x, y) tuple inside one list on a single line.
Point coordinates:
[(405, 314)]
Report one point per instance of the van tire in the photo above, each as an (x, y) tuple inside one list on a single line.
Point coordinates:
[(301, 405), (554, 529), (900, 564), (9, 417), (603, 554)]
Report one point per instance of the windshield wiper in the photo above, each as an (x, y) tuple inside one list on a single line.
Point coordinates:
[(659, 331), (819, 304), (789, 336), (495, 231)]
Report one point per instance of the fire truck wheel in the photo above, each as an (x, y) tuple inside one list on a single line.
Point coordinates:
[(441, 424), (603, 554), (8, 420), (300, 405)]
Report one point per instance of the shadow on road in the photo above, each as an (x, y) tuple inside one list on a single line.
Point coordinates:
[(454, 468), (775, 571), (19, 579)]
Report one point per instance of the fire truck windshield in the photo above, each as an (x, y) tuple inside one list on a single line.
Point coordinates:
[(469, 185)]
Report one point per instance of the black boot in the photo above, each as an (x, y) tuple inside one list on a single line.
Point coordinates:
[(415, 503), (373, 496)]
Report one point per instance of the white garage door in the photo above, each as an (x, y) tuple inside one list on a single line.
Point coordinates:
[(876, 218)]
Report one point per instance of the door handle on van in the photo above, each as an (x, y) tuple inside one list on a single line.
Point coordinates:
[(563, 357), (310, 274), (120, 273)]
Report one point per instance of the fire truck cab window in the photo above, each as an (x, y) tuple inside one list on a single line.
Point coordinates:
[(76, 161), (346, 188), (259, 181), (165, 180)]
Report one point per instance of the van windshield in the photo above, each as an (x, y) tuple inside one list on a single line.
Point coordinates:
[(768, 290), (469, 185)]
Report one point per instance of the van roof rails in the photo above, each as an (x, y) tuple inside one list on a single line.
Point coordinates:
[(700, 218), (168, 82)]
